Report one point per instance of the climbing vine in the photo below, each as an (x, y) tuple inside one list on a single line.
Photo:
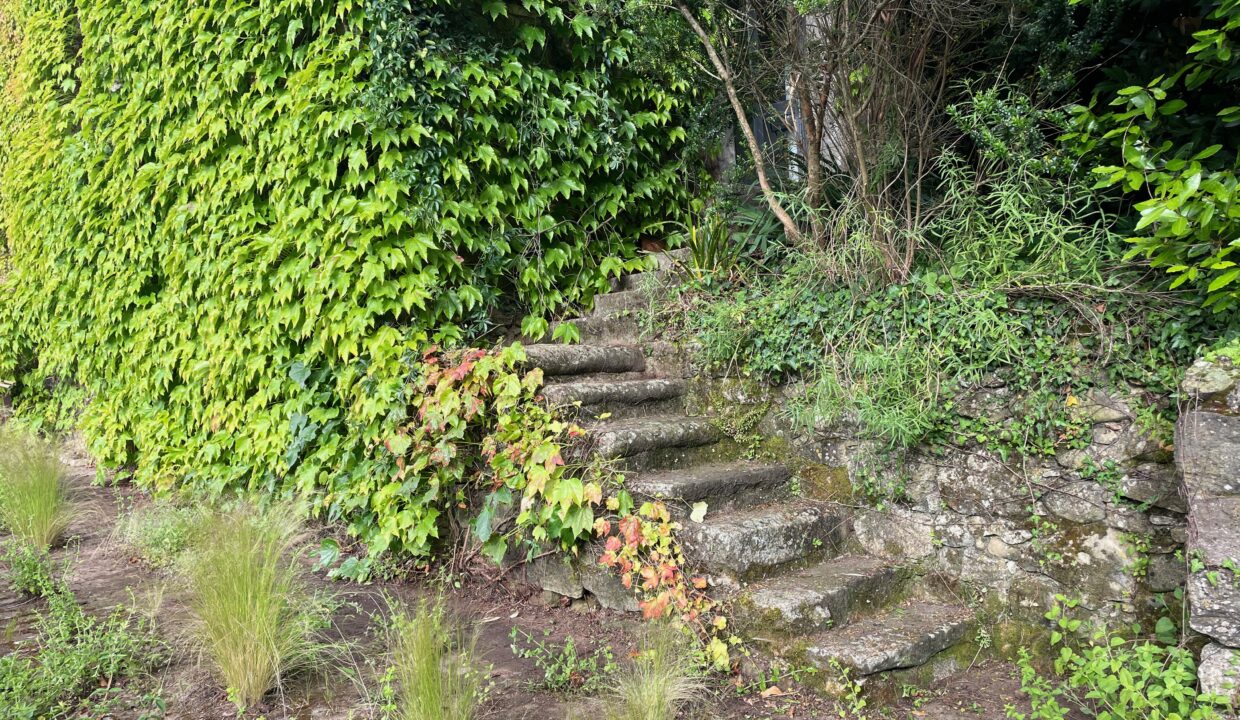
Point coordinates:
[(231, 227)]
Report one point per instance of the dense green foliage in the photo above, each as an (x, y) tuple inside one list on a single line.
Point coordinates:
[(74, 665), (1027, 290), (234, 226), (1173, 143), (477, 435), (897, 359)]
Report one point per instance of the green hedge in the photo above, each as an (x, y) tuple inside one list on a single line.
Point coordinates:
[(231, 225)]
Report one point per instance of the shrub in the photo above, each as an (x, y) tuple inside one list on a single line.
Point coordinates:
[(1170, 144), (254, 621), (478, 438), (663, 678), (236, 238), (34, 504), (434, 666)]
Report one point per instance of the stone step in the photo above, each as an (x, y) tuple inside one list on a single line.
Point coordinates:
[(745, 545), (902, 637), (556, 359), (620, 398), (628, 437), (619, 302), (821, 596), (673, 259), (601, 329), (722, 485), (647, 281)]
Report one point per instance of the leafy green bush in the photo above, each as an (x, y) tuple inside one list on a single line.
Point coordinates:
[(34, 504), (238, 232), (478, 438), (1171, 145), (1111, 677)]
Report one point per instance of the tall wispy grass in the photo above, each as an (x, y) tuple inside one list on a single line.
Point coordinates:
[(663, 678), (34, 501), (434, 665), (254, 618)]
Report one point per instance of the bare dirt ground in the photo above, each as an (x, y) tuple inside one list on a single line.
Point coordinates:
[(104, 574)]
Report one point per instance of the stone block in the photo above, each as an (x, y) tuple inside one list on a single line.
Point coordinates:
[(1214, 605), (1218, 672)]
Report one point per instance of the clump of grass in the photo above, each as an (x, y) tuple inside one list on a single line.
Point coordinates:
[(663, 678), (34, 502), (433, 666), (255, 622), (160, 533)]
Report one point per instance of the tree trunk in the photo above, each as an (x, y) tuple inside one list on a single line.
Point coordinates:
[(742, 120)]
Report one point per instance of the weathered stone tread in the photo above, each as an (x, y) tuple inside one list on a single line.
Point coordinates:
[(622, 438), (620, 301), (704, 482), (744, 544), (626, 392), (906, 636), (580, 359), (824, 594)]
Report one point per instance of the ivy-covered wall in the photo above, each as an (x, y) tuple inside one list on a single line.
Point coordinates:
[(231, 225)]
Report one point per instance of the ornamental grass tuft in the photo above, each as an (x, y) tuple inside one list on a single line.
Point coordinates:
[(34, 501), (255, 622), (433, 665)]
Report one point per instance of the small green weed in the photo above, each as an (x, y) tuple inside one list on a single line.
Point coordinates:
[(29, 569), (161, 532), (434, 673), (34, 504), (562, 668), (72, 667)]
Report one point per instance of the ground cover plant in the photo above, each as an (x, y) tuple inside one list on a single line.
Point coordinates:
[(34, 505), (254, 621), (77, 664)]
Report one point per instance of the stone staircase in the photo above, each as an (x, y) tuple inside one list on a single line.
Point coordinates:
[(790, 564)]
